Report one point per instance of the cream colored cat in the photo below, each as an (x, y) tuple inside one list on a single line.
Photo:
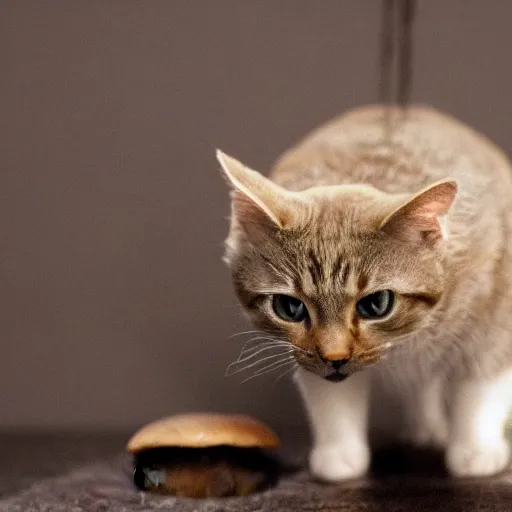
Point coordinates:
[(387, 264)]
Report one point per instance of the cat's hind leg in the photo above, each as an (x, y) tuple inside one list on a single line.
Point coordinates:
[(429, 424), (477, 444)]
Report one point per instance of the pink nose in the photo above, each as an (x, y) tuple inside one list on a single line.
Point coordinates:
[(333, 355)]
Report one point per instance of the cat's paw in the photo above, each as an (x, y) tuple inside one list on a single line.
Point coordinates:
[(472, 460), (337, 462)]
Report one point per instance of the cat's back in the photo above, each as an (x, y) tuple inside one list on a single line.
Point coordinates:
[(395, 152)]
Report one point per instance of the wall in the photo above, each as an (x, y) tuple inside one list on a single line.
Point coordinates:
[(114, 305)]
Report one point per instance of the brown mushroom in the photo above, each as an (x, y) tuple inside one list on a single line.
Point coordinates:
[(204, 455)]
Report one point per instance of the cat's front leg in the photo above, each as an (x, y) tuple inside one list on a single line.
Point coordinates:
[(338, 415), (477, 445)]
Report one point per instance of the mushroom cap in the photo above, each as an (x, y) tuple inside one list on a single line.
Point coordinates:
[(202, 430)]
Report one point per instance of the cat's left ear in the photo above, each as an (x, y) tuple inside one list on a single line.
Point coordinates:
[(420, 218)]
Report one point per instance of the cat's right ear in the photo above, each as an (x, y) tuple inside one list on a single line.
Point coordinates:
[(256, 199)]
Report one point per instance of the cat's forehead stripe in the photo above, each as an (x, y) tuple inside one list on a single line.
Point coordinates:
[(315, 268), (322, 274), (362, 281), (336, 269), (345, 274)]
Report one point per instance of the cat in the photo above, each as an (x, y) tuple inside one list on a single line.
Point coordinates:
[(380, 251)]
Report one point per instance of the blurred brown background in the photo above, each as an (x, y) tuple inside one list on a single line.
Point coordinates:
[(115, 306)]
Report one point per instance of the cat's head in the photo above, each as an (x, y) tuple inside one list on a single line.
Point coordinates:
[(340, 272)]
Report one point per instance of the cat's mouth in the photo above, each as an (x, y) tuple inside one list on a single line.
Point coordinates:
[(336, 377)]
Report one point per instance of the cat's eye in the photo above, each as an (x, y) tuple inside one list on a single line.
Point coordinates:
[(376, 305), (289, 309)]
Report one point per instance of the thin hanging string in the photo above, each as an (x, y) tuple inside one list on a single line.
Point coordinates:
[(387, 52), (396, 54), (407, 11)]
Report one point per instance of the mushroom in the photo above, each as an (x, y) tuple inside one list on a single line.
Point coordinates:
[(204, 455)]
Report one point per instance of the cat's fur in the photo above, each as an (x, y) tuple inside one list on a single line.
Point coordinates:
[(353, 209)]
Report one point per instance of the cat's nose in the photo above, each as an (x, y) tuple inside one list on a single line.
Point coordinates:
[(336, 360), (338, 364)]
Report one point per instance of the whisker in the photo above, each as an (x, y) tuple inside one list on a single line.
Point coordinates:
[(252, 351), (267, 371), (261, 339), (245, 332), (229, 372), (243, 358), (370, 351), (263, 370), (259, 350), (285, 373), (269, 332), (386, 347), (257, 342)]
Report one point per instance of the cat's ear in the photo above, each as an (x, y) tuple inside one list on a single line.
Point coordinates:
[(420, 218), (256, 198)]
